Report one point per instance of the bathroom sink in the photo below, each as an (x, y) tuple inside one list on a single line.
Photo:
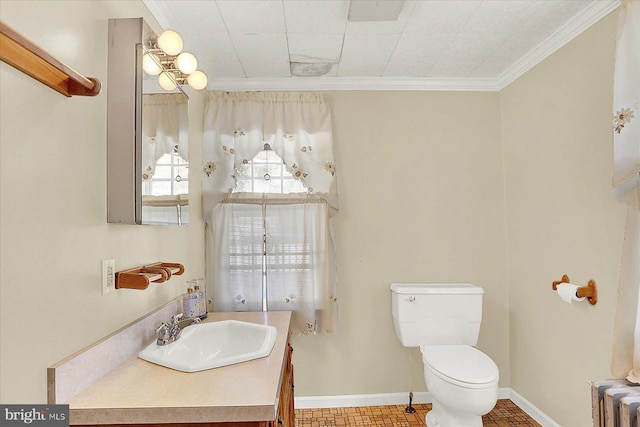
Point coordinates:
[(212, 345)]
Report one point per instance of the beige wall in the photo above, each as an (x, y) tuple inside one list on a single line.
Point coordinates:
[(556, 130), (53, 205), (421, 199)]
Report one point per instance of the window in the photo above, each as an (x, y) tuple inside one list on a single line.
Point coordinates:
[(171, 176), (165, 191), (273, 250), (266, 173)]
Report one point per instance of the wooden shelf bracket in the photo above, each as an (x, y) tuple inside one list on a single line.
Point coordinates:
[(26, 56)]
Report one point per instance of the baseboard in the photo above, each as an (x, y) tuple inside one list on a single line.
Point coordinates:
[(354, 400), (540, 417)]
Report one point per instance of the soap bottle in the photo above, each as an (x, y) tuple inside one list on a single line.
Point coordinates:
[(190, 303), (202, 302)]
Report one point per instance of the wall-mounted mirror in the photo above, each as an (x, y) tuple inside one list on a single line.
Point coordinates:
[(165, 158), (147, 135)]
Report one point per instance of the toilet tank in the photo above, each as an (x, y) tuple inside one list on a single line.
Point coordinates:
[(436, 313)]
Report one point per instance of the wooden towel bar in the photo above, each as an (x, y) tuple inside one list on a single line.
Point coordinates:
[(140, 277), (26, 56)]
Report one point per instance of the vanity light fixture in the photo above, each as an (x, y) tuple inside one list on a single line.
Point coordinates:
[(170, 42), (164, 58)]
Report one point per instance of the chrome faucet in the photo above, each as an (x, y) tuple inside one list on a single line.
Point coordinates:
[(170, 332)]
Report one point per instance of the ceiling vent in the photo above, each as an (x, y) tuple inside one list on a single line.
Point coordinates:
[(381, 10)]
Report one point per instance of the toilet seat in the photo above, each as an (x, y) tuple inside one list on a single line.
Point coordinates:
[(461, 365)]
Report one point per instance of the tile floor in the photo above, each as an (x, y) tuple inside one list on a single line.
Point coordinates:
[(505, 414)]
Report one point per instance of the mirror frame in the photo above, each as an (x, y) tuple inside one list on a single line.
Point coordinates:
[(127, 37)]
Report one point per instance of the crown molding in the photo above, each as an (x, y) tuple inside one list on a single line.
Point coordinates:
[(586, 18)]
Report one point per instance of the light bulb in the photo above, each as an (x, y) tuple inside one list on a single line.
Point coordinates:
[(197, 80), (167, 81), (186, 63), (170, 42), (151, 64)]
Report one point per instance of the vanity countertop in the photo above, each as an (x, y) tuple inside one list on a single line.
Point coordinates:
[(137, 391)]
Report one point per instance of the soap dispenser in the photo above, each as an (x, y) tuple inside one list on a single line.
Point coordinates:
[(190, 304), (202, 302)]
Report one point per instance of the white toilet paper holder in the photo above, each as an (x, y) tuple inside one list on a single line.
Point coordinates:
[(590, 291)]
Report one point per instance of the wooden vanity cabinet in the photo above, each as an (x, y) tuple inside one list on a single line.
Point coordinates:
[(286, 410)]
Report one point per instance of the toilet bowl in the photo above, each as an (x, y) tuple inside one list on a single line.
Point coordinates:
[(463, 383), (443, 319)]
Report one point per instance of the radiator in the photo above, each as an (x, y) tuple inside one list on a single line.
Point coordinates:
[(615, 403)]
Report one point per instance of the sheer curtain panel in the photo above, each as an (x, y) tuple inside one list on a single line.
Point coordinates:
[(626, 183), (282, 252)]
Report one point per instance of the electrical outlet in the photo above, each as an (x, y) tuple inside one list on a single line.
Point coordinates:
[(108, 276)]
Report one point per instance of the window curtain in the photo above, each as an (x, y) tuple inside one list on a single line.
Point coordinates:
[(300, 266), (626, 183), (297, 126), (164, 126), (236, 264), (299, 241)]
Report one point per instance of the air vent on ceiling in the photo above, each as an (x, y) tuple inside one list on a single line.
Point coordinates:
[(381, 10)]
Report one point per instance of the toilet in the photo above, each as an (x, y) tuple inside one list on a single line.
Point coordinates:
[(443, 319)]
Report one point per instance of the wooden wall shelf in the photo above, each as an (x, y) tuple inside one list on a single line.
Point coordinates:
[(140, 277), (24, 55)]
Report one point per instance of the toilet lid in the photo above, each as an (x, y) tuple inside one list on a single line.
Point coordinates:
[(460, 364)]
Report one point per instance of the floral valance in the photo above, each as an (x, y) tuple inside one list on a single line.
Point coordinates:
[(297, 127), (165, 126)]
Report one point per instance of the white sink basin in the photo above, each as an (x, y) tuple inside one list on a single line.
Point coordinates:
[(211, 345)]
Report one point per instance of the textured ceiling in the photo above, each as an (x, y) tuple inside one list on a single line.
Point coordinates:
[(468, 44)]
